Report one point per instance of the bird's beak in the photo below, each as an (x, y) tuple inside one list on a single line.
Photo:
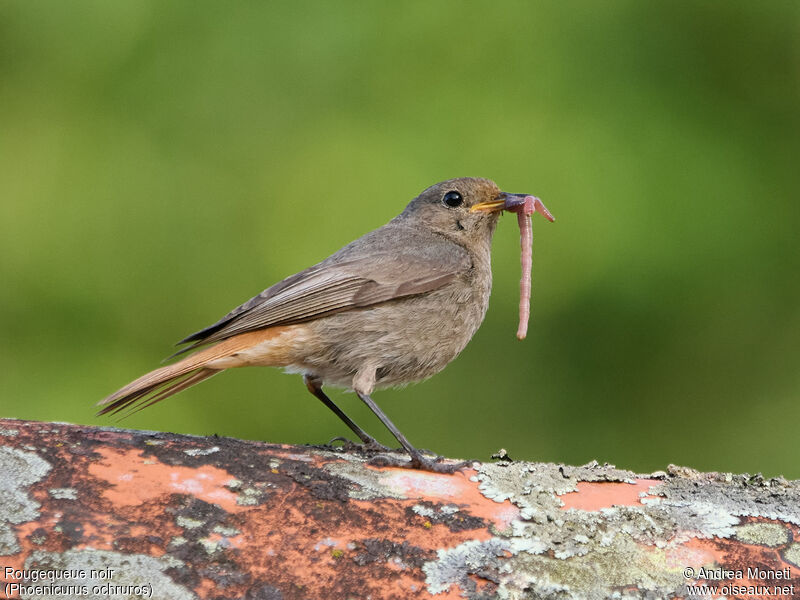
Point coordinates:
[(513, 202)]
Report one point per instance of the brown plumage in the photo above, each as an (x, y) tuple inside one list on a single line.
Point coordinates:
[(171, 379), (394, 306)]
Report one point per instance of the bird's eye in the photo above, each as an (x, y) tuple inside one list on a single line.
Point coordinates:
[(452, 199)]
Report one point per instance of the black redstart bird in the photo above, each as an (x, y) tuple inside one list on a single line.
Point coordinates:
[(393, 307)]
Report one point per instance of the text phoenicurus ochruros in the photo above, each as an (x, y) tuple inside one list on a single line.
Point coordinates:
[(393, 307)]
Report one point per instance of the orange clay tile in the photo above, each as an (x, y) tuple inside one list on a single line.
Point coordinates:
[(218, 518)]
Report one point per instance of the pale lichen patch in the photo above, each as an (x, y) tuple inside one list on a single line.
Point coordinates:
[(211, 546), (763, 534), (18, 471), (792, 554), (371, 482), (423, 511), (123, 571), (226, 531), (249, 496), (590, 553), (724, 508), (455, 565), (188, 523), (63, 493), (429, 512), (592, 577), (201, 451)]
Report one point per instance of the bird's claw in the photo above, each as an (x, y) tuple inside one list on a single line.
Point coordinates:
[(437, 466), (372, 446), (434, 465)]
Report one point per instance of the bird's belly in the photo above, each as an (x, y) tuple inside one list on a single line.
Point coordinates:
[(408, 339)]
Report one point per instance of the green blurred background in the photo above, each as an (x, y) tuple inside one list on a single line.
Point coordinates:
[(161, 162)]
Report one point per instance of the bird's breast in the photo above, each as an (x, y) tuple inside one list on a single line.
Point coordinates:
[(409, 338)]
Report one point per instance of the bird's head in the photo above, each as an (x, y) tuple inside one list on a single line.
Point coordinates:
[(465, 210)]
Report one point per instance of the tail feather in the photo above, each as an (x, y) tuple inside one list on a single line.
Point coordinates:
[(149, 395), (174, 388), (162, 383)]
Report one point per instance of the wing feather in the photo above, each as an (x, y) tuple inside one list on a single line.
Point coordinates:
[(354, 277)]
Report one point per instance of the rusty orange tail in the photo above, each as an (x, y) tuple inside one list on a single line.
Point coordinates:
[(171, 379)]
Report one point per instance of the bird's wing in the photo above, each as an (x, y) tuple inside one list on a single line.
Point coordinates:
[(357, 276)]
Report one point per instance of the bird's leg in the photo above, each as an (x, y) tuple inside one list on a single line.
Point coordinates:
[(314, 386), (418, 461)]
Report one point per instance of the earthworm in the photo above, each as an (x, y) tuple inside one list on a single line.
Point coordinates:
[(524, 210), (526, 258)]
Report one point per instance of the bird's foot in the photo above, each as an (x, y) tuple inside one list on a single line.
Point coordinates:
[(422, 463), (372, 446), (437, 466)]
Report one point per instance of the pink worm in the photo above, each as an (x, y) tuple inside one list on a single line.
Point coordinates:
[(524, 212), (526, 258)]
